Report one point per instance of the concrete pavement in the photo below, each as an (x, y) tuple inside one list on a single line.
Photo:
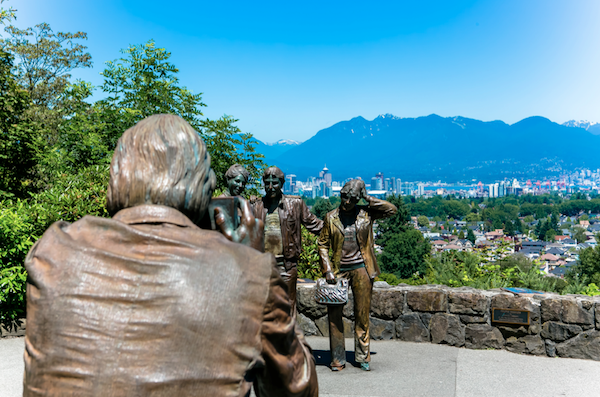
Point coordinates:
[(411, 369)]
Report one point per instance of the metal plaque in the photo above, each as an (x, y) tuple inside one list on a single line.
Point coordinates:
[(510, 316)]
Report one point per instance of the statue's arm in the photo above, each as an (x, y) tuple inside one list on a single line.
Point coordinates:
[(289, 364), (324, 243), (380, 208), (310, 221)]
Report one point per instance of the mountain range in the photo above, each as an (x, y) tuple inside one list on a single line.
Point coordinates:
[(433, 148)]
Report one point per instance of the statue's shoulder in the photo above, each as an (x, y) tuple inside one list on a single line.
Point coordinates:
[(293, 197)]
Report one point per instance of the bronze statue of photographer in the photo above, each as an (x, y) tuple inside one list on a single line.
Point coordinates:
[(146, 303)]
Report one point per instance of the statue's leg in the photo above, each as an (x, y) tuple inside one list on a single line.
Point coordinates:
[(362, 287), (336, 336), (292, 282)]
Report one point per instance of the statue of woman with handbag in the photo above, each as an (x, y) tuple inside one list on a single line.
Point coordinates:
[(348, 232)]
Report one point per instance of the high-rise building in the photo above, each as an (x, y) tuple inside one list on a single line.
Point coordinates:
[(421, 189), (326, 175), (398, 186), (502, 189), (373, 183), (387, 186), (379, 177), (290, 183)]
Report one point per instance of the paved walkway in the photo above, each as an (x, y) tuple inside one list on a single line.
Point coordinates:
[(412, 369)]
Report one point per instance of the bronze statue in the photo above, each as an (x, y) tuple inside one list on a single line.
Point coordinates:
[(237, 178), (283, 216), (149, 304), (348, 232)]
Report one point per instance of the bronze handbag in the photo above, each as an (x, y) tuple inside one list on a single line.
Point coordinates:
[(332, 294)]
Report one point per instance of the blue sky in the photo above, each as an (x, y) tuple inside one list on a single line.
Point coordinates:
[(290, 69)]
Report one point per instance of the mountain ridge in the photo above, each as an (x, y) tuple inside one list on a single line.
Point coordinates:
[(440, 148)]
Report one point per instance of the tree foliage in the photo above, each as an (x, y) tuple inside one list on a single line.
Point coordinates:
[(403, 248)]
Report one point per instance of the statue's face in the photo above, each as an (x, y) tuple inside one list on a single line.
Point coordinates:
[(349, 201), (272, 186), (236, 185)]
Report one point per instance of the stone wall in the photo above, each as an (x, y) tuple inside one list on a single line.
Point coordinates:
[(564, 326)]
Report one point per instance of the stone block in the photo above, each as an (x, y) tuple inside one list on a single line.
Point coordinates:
[(550, 348), (551, 310), (387, 304), (467, 303), (586, 345), (482, 336), (410, 328), (597, 305), (573, 313), (515, 331), (447, 329), (323, 326), (586, 304), (381, 329), (307, 325), (426, 318), (427, 300), (305, 297), (530, 344), (466, 319), (381, 284), (559, 332)]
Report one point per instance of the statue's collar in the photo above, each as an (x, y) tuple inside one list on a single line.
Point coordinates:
[(150, 213)]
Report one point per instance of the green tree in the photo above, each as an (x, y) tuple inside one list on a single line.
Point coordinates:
[(579, 235), (509, 228), (461, 235), (16, 149), (471, 236), (472, 217), (144, 82), (422, 220), (588, 266), (404, 254), (528, 219), (6, 14), (403, 248), (553, 222), (550, 234), (398, 223), (321, 207), (45, 60)]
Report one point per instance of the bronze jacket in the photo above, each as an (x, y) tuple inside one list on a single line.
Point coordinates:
[(332, 235), (293, 213), (148, 304)]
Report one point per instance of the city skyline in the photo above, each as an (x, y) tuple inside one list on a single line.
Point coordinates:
[(324, 185), (288, 70)]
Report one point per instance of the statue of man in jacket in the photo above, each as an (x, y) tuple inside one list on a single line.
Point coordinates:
[(348, 232), (283, 217)]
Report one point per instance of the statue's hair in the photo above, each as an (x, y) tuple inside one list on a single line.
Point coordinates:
[(161, 160), (274, 171), (353, 186), (235, 170)]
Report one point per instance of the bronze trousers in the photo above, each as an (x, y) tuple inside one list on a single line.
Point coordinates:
[(289, 272), (362, 288)]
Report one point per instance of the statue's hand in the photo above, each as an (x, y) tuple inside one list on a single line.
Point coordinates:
[(250, 232), (330, 278), (363, 193)]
